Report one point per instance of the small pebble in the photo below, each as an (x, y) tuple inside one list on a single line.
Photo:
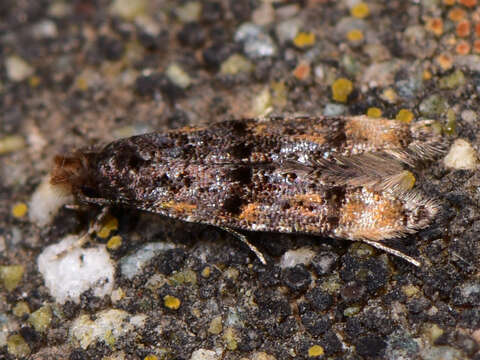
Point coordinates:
[(203, 354), (128, 9), (236, 64), (332, 109), (41, 319), (17, 346), (18, 69), (11, 143), (287, 30), (189, 12), (11, 275), (20, 309), (178, 76), (462, 156)]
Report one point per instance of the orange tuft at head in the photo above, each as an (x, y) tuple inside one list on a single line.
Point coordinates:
[(69, 171)]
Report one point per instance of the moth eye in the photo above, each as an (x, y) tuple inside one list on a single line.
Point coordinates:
[(89, 192)]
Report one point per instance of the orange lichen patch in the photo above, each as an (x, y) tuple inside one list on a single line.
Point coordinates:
[(427, 75), (308, 198), (449, 2), (250, 212), (435, 26), (375, 220), (179, 207), (463, 28), (445, 61), (468, 3), (476, 46), (375, 131), (477, 29), (302, 71), (462, 48), (456, 14)]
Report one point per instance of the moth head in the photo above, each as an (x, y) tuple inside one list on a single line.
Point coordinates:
[(69, 171)]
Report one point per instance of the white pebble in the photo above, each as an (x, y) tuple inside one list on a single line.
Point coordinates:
[(69, 271), (17, 68), (462, 156), (203, 354), (295, 257), (46, 201)]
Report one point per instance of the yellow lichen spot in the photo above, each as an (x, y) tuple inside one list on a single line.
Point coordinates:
[(110, 224), (81, 84), (315, 350), (19, 210), (341, 88), (114, 243), (427, 75), (360, 10), (374, 112), (355, 35), (151, 357), (405, 116), (206, 271), (304, 39), (410, 290), (171, 302), (34, 81)]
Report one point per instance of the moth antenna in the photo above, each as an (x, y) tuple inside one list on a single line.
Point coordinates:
[(392, 251)]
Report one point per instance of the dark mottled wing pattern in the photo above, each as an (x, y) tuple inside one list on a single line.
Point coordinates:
[(321, 175)]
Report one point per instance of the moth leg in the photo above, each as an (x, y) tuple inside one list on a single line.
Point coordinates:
[(244, 239), (392, 251), (85, 238)]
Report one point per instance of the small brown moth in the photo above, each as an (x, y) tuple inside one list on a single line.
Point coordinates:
[(342, 177)]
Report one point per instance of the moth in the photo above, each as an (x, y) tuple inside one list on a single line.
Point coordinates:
[(339, 177)]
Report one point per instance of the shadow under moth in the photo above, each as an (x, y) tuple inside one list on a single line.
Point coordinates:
[(340, 177)]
